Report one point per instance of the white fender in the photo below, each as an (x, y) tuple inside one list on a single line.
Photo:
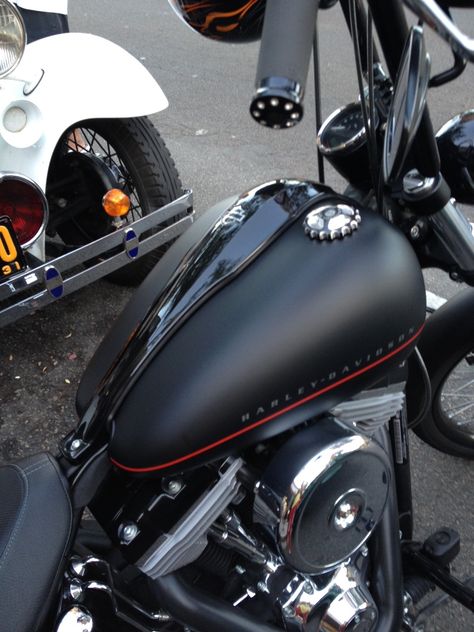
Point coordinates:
[(62, 80)]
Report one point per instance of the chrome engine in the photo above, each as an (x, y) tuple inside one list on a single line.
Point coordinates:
[(324, 504), (296, 534)]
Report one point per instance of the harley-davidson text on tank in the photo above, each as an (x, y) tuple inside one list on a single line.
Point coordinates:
[(318, 386)]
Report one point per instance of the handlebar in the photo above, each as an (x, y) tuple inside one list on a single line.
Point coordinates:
[(431, 13), (287, 41), (285, 51)]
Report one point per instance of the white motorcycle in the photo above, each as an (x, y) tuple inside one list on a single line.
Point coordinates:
[(87, 186)]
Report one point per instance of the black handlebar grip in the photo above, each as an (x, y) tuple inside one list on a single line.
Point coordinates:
[(285, 51)]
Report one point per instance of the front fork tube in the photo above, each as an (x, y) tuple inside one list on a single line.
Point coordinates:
[(455, 234), (441, 233)]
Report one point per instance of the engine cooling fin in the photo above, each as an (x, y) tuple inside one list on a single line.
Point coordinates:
[(369, 410), (188, 539)]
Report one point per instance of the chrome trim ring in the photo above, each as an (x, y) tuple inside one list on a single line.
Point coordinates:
[(6, 177), (354, 142), (5, 4)]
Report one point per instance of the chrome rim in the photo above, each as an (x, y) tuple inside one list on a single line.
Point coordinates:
[(456, 399), (88, 140)]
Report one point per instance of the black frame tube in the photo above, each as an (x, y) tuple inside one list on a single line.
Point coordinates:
[(202, 611), (361, 17), (387, 578)]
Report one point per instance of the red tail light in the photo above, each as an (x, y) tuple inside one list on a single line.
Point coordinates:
[(25, 204)]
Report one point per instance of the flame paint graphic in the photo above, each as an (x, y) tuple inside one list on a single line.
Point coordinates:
[(212, 21)]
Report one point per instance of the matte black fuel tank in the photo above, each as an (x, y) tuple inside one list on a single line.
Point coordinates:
[(259, 328)]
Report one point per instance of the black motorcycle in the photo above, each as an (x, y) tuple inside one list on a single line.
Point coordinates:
[(265, 486)]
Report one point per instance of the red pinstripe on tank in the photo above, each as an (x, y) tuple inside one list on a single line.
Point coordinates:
[(261, 422)]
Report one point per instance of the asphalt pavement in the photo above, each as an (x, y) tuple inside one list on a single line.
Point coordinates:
[(219, 150)]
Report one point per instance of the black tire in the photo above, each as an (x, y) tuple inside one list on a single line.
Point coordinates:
[(446, 346), (95, 155)]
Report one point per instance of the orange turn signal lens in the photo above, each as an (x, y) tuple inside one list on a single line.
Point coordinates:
[(116, 203)]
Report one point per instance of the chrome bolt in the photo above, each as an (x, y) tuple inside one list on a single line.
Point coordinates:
[(227, 516), (357, 619), (77, 566), (127, 532), (415, 232), (308, 587), (346, 514), (76, 445), (364, 551), (84, 619), (223, 535), (75, 590), (288, 611), (174, 486), (240, 570), (262, 587)]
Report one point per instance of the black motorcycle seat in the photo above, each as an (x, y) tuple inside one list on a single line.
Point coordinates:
[(35, 528)]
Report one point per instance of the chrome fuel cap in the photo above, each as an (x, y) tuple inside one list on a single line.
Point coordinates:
[(331, 221)]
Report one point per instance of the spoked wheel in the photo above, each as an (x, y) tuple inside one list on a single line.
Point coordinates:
[(453, 404), (447, 346), (96, 155)]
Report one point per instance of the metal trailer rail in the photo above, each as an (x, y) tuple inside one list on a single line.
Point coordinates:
[(59, 277)]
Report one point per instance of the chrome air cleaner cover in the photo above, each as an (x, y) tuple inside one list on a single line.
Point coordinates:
[(322, 495)]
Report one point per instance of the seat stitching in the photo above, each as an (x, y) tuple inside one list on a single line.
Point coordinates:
[(34, 466), (67, 543), (39, 467), (25, 490)]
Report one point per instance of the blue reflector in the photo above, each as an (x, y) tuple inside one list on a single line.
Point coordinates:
[(53, 281), (131, 243)]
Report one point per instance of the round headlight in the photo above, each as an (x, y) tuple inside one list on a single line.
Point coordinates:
[(12, 37)]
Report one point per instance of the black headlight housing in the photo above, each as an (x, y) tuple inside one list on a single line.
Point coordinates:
[(456, 150)]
